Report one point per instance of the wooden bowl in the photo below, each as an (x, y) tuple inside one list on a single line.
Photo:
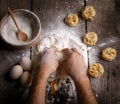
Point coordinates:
[(28, 23)]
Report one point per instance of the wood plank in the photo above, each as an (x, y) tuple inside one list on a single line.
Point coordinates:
[(11, 92), (106, 24)]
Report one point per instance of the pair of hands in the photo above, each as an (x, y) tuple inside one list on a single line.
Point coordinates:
[(74, 65)]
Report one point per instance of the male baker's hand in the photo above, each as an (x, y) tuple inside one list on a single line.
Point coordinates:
[(48, 63), (74, 65)]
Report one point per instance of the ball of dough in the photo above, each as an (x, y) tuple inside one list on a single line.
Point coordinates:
[(25, 62), (59, 56), (26, 79), (96, 70), (72, 20), (90, 38), (109, 54), (88, 13), (16, 72)]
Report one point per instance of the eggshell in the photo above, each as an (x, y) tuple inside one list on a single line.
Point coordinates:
[(16, 72), (26, 79), (25, 62)]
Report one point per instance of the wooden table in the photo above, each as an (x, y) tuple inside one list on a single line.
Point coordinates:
[(51, 13)]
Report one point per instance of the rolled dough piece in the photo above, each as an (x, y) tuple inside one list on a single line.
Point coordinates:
[(109, 54), (88, 13), (72, 20), (96, 70), (90, 38)]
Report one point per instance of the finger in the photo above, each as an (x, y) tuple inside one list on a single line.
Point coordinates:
[(54, 49), (67, 51), (75, 50), (45, 49)]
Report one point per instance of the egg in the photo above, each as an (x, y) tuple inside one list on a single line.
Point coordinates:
[(16, 72), (26, 79), (25, 62)]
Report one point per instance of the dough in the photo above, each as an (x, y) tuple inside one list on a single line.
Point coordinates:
[(90, 38), (88, 13), (60, 56), (26, 79), (109, 54), (96, 70), (25, 62), (16, 72), (72, 20)]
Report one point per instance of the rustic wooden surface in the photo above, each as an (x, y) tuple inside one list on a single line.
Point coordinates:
[(52, 16), (52, 13), (11, 91), (107, 25)]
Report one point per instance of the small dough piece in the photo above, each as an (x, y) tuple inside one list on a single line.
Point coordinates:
[(16, 72), (109, 54), (90, 38), (59, 56), (88, 13), (72, 20), (96, 70), (26, 79), (25, 62)]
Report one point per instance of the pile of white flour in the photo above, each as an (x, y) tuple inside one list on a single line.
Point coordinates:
[(9, 29), (62, 41)]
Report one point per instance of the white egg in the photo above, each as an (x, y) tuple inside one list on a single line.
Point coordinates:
[(25, 62), (26, 79), (16, 72)]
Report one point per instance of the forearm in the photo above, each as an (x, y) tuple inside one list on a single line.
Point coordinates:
[(85, 94), (37, 90)]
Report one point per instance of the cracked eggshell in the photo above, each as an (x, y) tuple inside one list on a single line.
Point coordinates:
[(26, 79), (16, 72), (25, 62)]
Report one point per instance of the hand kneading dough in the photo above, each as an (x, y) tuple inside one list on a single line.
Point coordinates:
[(62, 41), (26, 79), (88, 13), (96, 70), (109, 54), (72, 20), (25, 62), (16, 72), (90, 38)]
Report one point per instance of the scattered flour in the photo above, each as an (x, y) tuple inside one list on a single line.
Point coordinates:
[(62, 41), (9, 29)]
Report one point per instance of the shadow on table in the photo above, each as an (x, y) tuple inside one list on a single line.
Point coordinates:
[(117, 6)]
